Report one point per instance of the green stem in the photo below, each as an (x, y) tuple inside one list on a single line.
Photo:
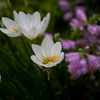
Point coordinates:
[(9, 6), (26, 5)]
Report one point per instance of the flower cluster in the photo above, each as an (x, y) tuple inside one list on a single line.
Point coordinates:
[(88, 32), (66, 7), (42, 61), (28, 25), (48, 54), (78, 21), (81, 65)]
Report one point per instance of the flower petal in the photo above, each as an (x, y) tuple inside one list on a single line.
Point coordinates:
[(56, 49), (33, 32), (46, 23), (7, 32), (36, 60), (25, 32), (48, 65), (38, 51), (15, 16), (4, 30), (35, 21), (13, 35), (47, 45), (61, 57), (9, 23), (23, 20), (47, 19), (41, 26)]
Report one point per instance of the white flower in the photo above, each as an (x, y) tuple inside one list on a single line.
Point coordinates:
[(31, 25), (48, 54), (12, 29)]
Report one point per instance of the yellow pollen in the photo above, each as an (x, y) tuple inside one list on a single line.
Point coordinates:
[(50, 59), (14, 30)]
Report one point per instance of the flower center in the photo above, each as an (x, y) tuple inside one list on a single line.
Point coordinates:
[(14, 30), (50, 59)]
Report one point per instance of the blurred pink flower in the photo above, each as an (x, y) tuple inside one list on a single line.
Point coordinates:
[(75, 23), (80, 8), (71, 57), (80, 15), (92, 29), (77, 65), (68, 15), (64, 5), (68, 44), (94, 62), (48, 34)]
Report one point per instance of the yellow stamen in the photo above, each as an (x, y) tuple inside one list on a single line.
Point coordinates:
[(50, 59), (14, 30)]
